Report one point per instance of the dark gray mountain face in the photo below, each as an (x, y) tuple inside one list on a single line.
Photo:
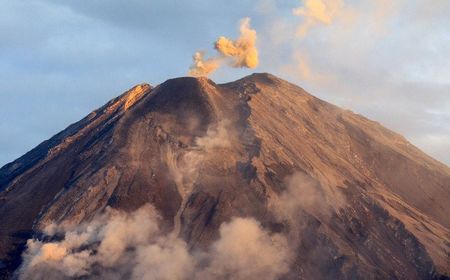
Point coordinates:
[(353, 199)]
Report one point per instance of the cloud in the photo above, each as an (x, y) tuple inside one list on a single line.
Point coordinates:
[(118, 245), (365, 56), (317, 12), (241, 52)]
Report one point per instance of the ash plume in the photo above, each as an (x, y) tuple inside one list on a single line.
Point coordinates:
[(185, 167), (120, 245), (202, 66), (241, 52), (89, 248), (305, 194), (246, 251)]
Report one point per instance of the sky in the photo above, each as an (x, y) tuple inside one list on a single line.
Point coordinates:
[(387, 60)]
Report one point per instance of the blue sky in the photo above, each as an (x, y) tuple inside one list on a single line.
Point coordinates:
[(388, 60)]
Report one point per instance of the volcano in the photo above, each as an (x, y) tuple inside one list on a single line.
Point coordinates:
[(350, 198)]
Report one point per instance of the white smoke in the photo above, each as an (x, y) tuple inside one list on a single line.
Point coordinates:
[(119, 245)]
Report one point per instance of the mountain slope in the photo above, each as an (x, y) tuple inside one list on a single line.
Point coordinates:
[(354, 199)]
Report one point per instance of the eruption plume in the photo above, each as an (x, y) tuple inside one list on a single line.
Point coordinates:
[(202, 67), (241, 52)]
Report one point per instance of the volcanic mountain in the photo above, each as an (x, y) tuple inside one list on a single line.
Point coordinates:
[(335, 195)]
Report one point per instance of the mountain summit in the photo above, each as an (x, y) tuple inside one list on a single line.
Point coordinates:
[(261, 177)]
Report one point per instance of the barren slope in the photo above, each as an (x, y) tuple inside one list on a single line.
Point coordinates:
[(367, 203)]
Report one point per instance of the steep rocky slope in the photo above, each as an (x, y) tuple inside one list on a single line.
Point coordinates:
[(354, 199)]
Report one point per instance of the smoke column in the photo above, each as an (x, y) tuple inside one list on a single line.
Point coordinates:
[(241, 52)]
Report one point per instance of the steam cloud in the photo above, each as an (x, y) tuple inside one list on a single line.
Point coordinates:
[(119, 245), (317, 12), (241, 52)]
